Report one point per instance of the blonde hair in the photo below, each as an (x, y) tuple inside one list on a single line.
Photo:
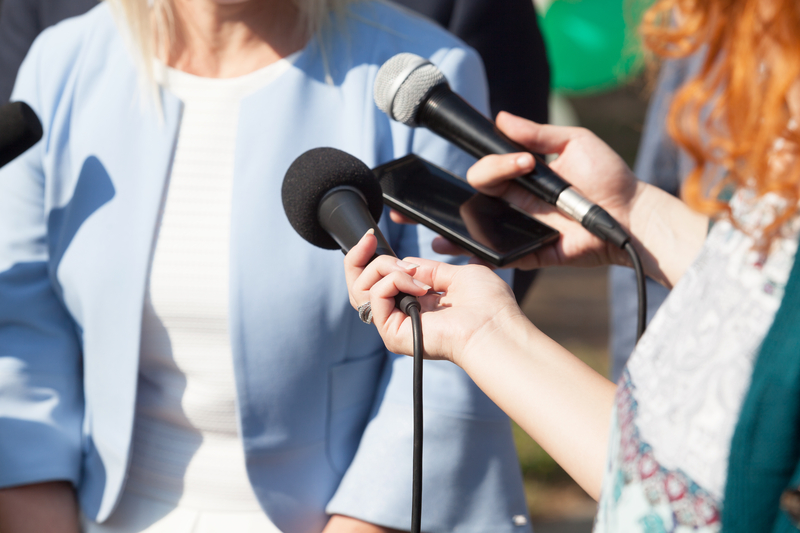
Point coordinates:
[(149, 27)]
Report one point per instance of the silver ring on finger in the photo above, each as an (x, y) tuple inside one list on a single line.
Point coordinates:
[(365, 313)]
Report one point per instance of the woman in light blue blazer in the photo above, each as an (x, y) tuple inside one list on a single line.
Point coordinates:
[(323, 411)]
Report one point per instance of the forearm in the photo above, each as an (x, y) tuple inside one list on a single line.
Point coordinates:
[(48, 507), (668, 233), (471, 319), (558, 400)]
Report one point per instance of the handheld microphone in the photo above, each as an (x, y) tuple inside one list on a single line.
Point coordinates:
[(331, 199), (19, 130), (413, 91)]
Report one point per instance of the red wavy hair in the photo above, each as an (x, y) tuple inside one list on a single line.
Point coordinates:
[(735, 118)]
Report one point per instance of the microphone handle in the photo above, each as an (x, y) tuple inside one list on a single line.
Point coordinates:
[(448, 115), (344, 214)]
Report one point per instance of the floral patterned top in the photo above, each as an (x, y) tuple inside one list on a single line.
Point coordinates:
[(679, 399)]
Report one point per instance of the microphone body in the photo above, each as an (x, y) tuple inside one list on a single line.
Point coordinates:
[(413, 91), (451, 117), (332, 199), (343, 213), (19, 130)]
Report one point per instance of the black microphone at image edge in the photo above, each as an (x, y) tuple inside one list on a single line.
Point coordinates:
[(20, 129)]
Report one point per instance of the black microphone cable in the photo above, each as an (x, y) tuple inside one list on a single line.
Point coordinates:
[(641, 289), (416, 484)]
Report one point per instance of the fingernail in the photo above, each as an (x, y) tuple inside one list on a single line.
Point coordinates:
[(370, 231), (406, 264), (418, 283), (525, 161)]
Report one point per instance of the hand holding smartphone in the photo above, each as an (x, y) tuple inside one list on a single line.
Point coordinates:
[(488, 227)]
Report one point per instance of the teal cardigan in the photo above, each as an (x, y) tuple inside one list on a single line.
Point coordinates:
[(765, 450)]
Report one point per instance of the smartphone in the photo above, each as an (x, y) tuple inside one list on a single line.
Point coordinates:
[(488, 227)]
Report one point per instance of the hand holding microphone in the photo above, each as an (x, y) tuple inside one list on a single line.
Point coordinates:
[(411, 90), (331, 199), (468, 301), (599, 172)]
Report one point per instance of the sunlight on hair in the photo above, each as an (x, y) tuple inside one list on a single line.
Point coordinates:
[(735, 119)]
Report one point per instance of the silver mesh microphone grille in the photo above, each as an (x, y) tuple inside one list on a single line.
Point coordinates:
[(402, 84)]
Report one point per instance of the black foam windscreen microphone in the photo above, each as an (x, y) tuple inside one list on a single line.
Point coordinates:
[(332, 199), (413, 91), (19, 130)]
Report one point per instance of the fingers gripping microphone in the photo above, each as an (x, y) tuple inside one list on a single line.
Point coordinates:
[(19, 130), (331, 199), (413, 91)]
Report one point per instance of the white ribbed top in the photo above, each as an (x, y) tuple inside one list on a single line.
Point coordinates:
[(187, 447)]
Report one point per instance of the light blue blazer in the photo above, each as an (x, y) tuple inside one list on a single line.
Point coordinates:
[(325, 412)]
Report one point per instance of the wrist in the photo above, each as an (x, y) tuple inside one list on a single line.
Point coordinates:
[(506, 331), (666, 232)]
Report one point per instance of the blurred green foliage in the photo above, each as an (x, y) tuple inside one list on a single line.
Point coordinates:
[(535, 462), (592, 45)]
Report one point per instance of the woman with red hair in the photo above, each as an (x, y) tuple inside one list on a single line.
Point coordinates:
[(705, 418)]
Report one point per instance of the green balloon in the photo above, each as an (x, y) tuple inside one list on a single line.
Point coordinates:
[(590, 44)]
